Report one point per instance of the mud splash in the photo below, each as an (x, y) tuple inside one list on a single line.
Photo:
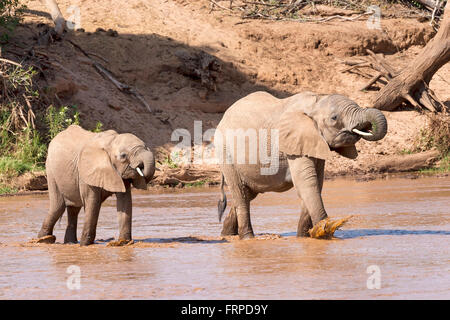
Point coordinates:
[(400, 225)]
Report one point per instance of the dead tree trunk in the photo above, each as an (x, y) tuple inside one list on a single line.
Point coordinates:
[(411, 84), (57, 16), (430, 4)]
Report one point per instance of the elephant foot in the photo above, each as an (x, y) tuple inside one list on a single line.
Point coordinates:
[(227, 232), (70, 240), (44, 232), (70, 236), (302, 235), (247, 236), (303, 230), (120, 243), (49, 239), (86, 241), (304, 225)]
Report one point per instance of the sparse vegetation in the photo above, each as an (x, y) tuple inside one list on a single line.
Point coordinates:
[(98, 127), (199, 183), (171, 161), (24, 135), (436, 136), (443, 166), (20, 142), (7, 189), (10, 16), (21, 146), (58, 120), (406, 151), (23, 143)]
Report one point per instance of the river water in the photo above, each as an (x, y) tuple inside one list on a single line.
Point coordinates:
[(396, 246)]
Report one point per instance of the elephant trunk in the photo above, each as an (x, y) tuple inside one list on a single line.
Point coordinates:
[(147, 159), (144, 163), (369, 123), (376, 122)]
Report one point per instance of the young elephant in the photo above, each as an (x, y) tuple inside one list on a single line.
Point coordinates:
[(84, 168), (300, 132)]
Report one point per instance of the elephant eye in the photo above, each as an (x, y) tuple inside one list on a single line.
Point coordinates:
[(334, 118), (123, 156)]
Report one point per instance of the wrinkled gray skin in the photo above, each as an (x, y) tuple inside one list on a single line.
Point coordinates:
[(84, 168), (310, 126)]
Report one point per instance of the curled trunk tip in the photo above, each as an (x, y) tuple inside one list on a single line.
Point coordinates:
[(378, 124)]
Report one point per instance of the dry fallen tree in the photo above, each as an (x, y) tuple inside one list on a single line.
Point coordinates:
[(412, 83), (291, 10)]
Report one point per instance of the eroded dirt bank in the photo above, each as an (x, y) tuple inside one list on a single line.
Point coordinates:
[(157, 47)]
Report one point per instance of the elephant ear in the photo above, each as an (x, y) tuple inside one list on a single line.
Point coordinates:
[(299, 135), (139, 183), (95, 169), (348, 152)]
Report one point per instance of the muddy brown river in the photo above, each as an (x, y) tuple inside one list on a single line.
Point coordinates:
[(395, 247)]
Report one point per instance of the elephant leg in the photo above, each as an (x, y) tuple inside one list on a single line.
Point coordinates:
[(124, 210), (306, 180), (56, 210), (72, 219), (305, 222), (242, 199), (240, 211), (245, 229), (230, 224), (92, 204)]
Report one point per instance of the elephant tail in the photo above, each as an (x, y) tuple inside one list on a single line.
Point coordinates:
[(222, 204)]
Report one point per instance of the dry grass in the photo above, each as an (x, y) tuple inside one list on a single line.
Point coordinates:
[(436, 134)]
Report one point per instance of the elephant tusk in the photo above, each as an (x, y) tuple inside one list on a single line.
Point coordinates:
[(139, 171), (362, 133)]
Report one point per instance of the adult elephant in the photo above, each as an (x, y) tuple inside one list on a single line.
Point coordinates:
[(301, 131), (84, 169)]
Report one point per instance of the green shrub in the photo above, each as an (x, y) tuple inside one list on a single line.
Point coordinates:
[(23, 145), (22, 148), (199, 183), (98, 127), (443, 166), (10, 16), (11, 166), (30, 148), (59, 119), (7, 189)]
